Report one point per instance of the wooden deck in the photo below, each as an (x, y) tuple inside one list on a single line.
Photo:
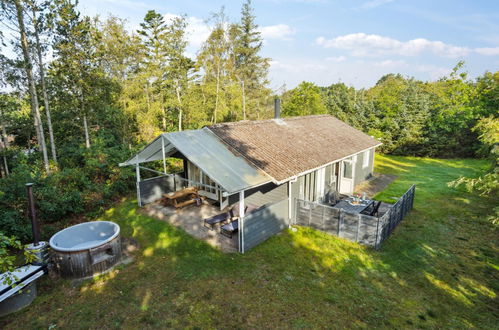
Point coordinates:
[(190, 219)]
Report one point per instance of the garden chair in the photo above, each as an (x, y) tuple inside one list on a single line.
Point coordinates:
[(375, 208), (232, 227), (222, 217)]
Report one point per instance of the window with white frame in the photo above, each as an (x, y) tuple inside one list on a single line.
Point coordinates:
[(365, 159)]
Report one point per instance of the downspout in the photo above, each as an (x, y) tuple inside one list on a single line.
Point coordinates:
[(290, 200), (289, 204)]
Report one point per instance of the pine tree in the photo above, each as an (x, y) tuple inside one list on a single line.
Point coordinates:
[(250, 69), (154, 35), (73, 69)]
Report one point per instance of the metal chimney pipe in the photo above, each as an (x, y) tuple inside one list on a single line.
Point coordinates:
[(32, 212), (277, 108)]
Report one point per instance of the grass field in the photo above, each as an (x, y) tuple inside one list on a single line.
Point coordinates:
[(439, 269)]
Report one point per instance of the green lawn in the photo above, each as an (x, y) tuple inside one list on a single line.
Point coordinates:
[(439, 269)]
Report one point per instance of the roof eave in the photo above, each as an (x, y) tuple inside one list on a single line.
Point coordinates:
[(279, 182)]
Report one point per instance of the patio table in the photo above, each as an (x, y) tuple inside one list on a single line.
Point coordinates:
[(349, 206), (173, 198)]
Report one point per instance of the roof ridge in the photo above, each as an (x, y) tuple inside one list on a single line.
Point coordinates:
[(255, 122)]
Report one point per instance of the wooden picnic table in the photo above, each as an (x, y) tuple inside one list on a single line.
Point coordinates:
[(350, 206), (181, 198)]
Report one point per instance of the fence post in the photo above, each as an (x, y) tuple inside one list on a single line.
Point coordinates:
[(377, 234), (393, 216), (358, 228), (413, 196), (402, 214)]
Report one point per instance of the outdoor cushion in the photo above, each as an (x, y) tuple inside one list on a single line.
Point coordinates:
[(210, 222), (230, 228), (234, 210)]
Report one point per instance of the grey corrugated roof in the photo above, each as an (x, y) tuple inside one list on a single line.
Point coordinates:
[(232, 172), (150, 152)]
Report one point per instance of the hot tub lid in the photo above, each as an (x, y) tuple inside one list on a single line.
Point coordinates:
[(84, 236)]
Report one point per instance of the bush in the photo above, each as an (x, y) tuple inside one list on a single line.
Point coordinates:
[(64, 193)]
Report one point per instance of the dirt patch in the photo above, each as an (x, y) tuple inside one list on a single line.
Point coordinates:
[(375, 184)]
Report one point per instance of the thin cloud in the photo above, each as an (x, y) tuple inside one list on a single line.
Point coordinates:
[(197, 30), (362, 44), (487, 51), (391, 64), (374, 3), (278, 31), (336, 59)]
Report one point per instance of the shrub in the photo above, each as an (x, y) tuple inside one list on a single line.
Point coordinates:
[(64, 193)]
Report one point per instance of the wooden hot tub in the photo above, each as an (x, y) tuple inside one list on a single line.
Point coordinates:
[(86, 249)]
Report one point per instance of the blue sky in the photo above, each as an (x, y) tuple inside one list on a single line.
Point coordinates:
[(356, 42)]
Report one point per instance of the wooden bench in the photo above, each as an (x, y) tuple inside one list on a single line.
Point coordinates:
[(181, 198)]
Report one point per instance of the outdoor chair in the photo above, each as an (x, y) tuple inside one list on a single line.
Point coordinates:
[(232, 227), (219, 218), (222, 217), (375, 208), (332, 197)]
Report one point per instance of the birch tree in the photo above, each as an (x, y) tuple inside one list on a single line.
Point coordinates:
[(36, 19), (214, 60), (14, 11), (179, 65)]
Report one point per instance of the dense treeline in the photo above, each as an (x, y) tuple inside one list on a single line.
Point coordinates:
[(410, 117), (82, 94)]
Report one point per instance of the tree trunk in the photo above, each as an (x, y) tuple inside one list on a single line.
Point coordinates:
[(163, 109), (244, 101), (148, 102), (31, 83), (216, 98), (87, 136), (44, 87), (5, 164), (179, 109), (163, 119), (5, 144)]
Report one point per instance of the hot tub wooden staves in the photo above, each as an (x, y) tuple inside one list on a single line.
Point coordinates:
[(88, 262)]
